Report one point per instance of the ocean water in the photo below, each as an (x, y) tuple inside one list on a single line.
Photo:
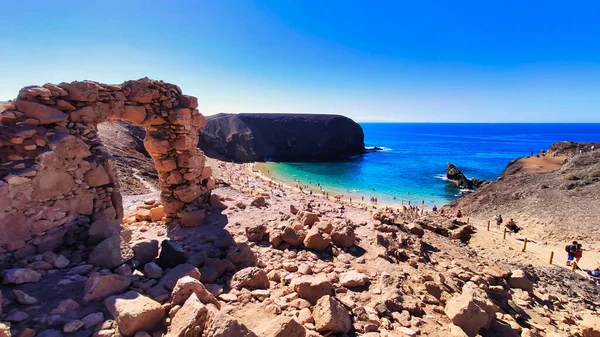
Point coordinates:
[(413, 164)]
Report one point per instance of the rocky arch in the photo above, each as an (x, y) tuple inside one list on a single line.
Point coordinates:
[(55, 172)]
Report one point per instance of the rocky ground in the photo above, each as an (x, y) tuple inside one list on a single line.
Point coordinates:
[(270, 260)]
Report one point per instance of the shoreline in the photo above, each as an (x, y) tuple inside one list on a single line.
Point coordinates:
[(261, 169)]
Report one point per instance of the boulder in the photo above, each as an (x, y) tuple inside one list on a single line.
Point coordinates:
[(281, 326), (171, 254), (518, 279), (220, 324), (43, 113), (308, 219), (190, 319), (481, 299), (111, 253), (145, 251), (256, 233), (259, 202), (343, 236), (276, 237), (293, 237), (100, 286), (353, 278), (456, 176), (316, 240), (134, 312), (331, 316), (152, 270), (19, 276), (242, 256), (415, 229), (186, 286), (311, 288), (251, 277), (92, 319), (466, 314), (23, 298), (169, 280)]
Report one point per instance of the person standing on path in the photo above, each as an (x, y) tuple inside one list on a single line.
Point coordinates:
[(571, 250)]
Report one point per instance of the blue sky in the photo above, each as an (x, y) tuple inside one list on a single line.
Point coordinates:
[(446, 61)]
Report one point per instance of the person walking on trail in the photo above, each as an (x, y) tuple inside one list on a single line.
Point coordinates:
[(578, 253), (498, 219), (571, 250), (459, 214)]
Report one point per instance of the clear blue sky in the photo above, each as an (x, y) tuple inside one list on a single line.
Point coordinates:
[(450, 61)]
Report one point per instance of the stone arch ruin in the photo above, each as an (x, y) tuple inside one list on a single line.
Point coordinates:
[(55, 172)]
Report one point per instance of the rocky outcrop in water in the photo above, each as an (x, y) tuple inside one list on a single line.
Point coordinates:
[(283, 137), (456, 176)]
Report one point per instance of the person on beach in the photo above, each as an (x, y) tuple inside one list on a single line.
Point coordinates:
[(434, 209), (571, 250), (459, 214)]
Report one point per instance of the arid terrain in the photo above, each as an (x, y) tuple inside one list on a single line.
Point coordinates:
[(273, 260)]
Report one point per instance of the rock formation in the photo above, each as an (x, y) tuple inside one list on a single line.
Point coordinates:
[(55, 171), (283, 137), (456, 176)]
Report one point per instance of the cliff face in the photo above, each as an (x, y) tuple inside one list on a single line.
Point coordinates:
[(552, 197), (283, 137)]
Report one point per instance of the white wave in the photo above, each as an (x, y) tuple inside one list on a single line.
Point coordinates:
[(442, 176), (377, 148)]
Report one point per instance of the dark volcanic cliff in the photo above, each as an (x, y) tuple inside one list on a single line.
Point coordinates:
[(284, 137)]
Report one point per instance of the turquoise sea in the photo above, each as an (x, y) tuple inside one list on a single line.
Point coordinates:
[(413, 162)]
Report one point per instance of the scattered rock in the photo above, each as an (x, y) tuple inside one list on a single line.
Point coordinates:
[(256, 233), (353, 278), (259, 202), (19, 276), (187, 286), (101, 286), (92, 319), (518, 279), (23, 298), (330, 315), (463, 312), (169, 280), (190, 320), (343, 236), (311, 288), (145, 251), (134, 312), (251, 277), (281, 326), (65, 306), (111, 253), (73, 326), (152, 270), (316, 240), (171, 254)]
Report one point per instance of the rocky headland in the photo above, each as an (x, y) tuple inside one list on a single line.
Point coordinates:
[(454, 175), (552, 196), (249, 137)]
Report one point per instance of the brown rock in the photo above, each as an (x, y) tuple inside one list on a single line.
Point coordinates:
[(193, 218), (251, 277), (101, 286), (311, 288), (281, 326), (317, 240), (259, 202), (330, 315), (308, 219), (190, 320), (43, 113), (463, 312), (111, 253), (24, 298), (64, 307), (220, 324), (518, 279), (134, 312), (343, 236), (353, 278), (145, 251), (157, 213), (97, 177), (187, 286), (170, 279), (256, 233), (293, 237), (19, 276), (134, 114)]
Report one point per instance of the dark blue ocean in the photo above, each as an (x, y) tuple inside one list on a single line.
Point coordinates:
[(414, 161)]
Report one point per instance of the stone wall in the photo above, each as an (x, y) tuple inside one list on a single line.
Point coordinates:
[(55, 172)]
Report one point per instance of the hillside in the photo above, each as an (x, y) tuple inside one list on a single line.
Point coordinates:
[(551, 198)]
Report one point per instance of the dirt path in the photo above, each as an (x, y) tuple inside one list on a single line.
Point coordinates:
[(493, 245), (542, 164)]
